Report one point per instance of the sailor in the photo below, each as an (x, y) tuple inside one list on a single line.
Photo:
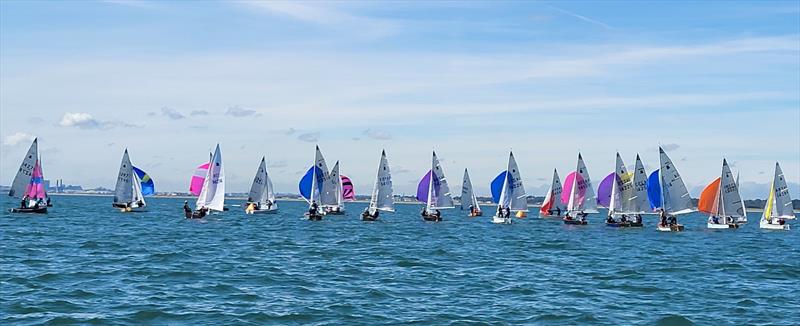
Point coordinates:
[(610, 219), (313, 209), (437, 213), (673, 220), (663, 216), (638, 219), (471, 210), (186, 208), (48, 202), (500, 211), (24, 202), (623, 219), (365, 213), (424, 212), (558, 211), (583, 216), (507, 212), (269, 204)]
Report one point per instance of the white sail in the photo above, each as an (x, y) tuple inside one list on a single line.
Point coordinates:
[(23, 177), (439, 197), (676, 199), (271, 191), (212, 196), (123, 191), (783, 202), (624, 185), (638, 203), (467, 194), (327, 189), (382, 197), (335, 181), (516, 191), (259, 188), (138, 198), (731, 201), (589, 204)]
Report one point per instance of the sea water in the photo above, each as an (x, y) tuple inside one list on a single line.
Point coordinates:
[(87, 263)]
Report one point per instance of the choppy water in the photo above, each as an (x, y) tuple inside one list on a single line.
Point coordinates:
[(86, 263)]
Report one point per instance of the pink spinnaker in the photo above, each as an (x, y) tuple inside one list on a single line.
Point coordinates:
[(567, 188), (196, 185), (35, 189)]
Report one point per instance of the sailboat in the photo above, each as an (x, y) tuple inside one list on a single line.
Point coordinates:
[(552, 205), (382, 198), (212, 193), (721, 200), (434, 192), (128, 195), (779, 204), (668, 195), (335, 184), (578, 195), (261, 199), (509, 193), (468, 199), (616, 192), (315, 188), (28, 184)]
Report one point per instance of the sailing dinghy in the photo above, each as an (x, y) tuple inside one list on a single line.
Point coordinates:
[(616, 192), (509, 193), (721, 200), (261, 199), (468, 199), (779, 207), (382, 198), (335, 184), (434, 192), (128, 195), (552, 205), (315, 188), (212, 192), (28, 184), (668, 195), (578, 195)]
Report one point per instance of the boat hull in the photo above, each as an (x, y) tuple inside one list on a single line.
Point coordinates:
[(476, 214), (314, 217), (341, 212), (771, 226), (618, 224), (431, 218), (39, 210), (723, 226), (670, 228), (501, 220), (261, 211), (575, 222), (368, 218)]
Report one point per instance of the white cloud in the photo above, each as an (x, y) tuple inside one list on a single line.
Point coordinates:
[(17, 138), (80, 120), (309, 137), (172, 113), (378, 134), (240, 112)]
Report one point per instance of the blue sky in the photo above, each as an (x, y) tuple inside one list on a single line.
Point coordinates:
[(471, 80)]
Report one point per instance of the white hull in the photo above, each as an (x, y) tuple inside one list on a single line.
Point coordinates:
[(262, 211), (741, 220), (769, 226), (723, 226), (501, 220)]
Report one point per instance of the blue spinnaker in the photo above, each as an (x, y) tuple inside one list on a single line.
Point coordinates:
[(306, 181), (654, 190), (497, 185), (148, 187)]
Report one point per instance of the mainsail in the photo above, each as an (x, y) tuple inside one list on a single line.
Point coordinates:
[(23, 177), (212, 195), (259, 189), (328, 196), (507, 188), (638, 202), (335, 183), (128, 189), (675, 198), (468, 195), (382, 197), (779, 203)]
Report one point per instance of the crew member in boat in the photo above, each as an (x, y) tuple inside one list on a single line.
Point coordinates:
[(186, 209), (424, 212), (583, 216), (672, 220), (507, 212), (437, 213), (24, 202), (269, 204), (558, 211), (313, 209), (638, 219), (623, 219), (48, 202), (567, 217), (663, 216), (500, 211), (610, 219), (471, 210)]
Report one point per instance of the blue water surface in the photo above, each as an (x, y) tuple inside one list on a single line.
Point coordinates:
[(86, 263)]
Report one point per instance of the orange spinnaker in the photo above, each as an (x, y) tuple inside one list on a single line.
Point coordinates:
[(709, 198)]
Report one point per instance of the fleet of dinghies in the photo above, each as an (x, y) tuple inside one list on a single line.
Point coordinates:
[(627, 195)]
